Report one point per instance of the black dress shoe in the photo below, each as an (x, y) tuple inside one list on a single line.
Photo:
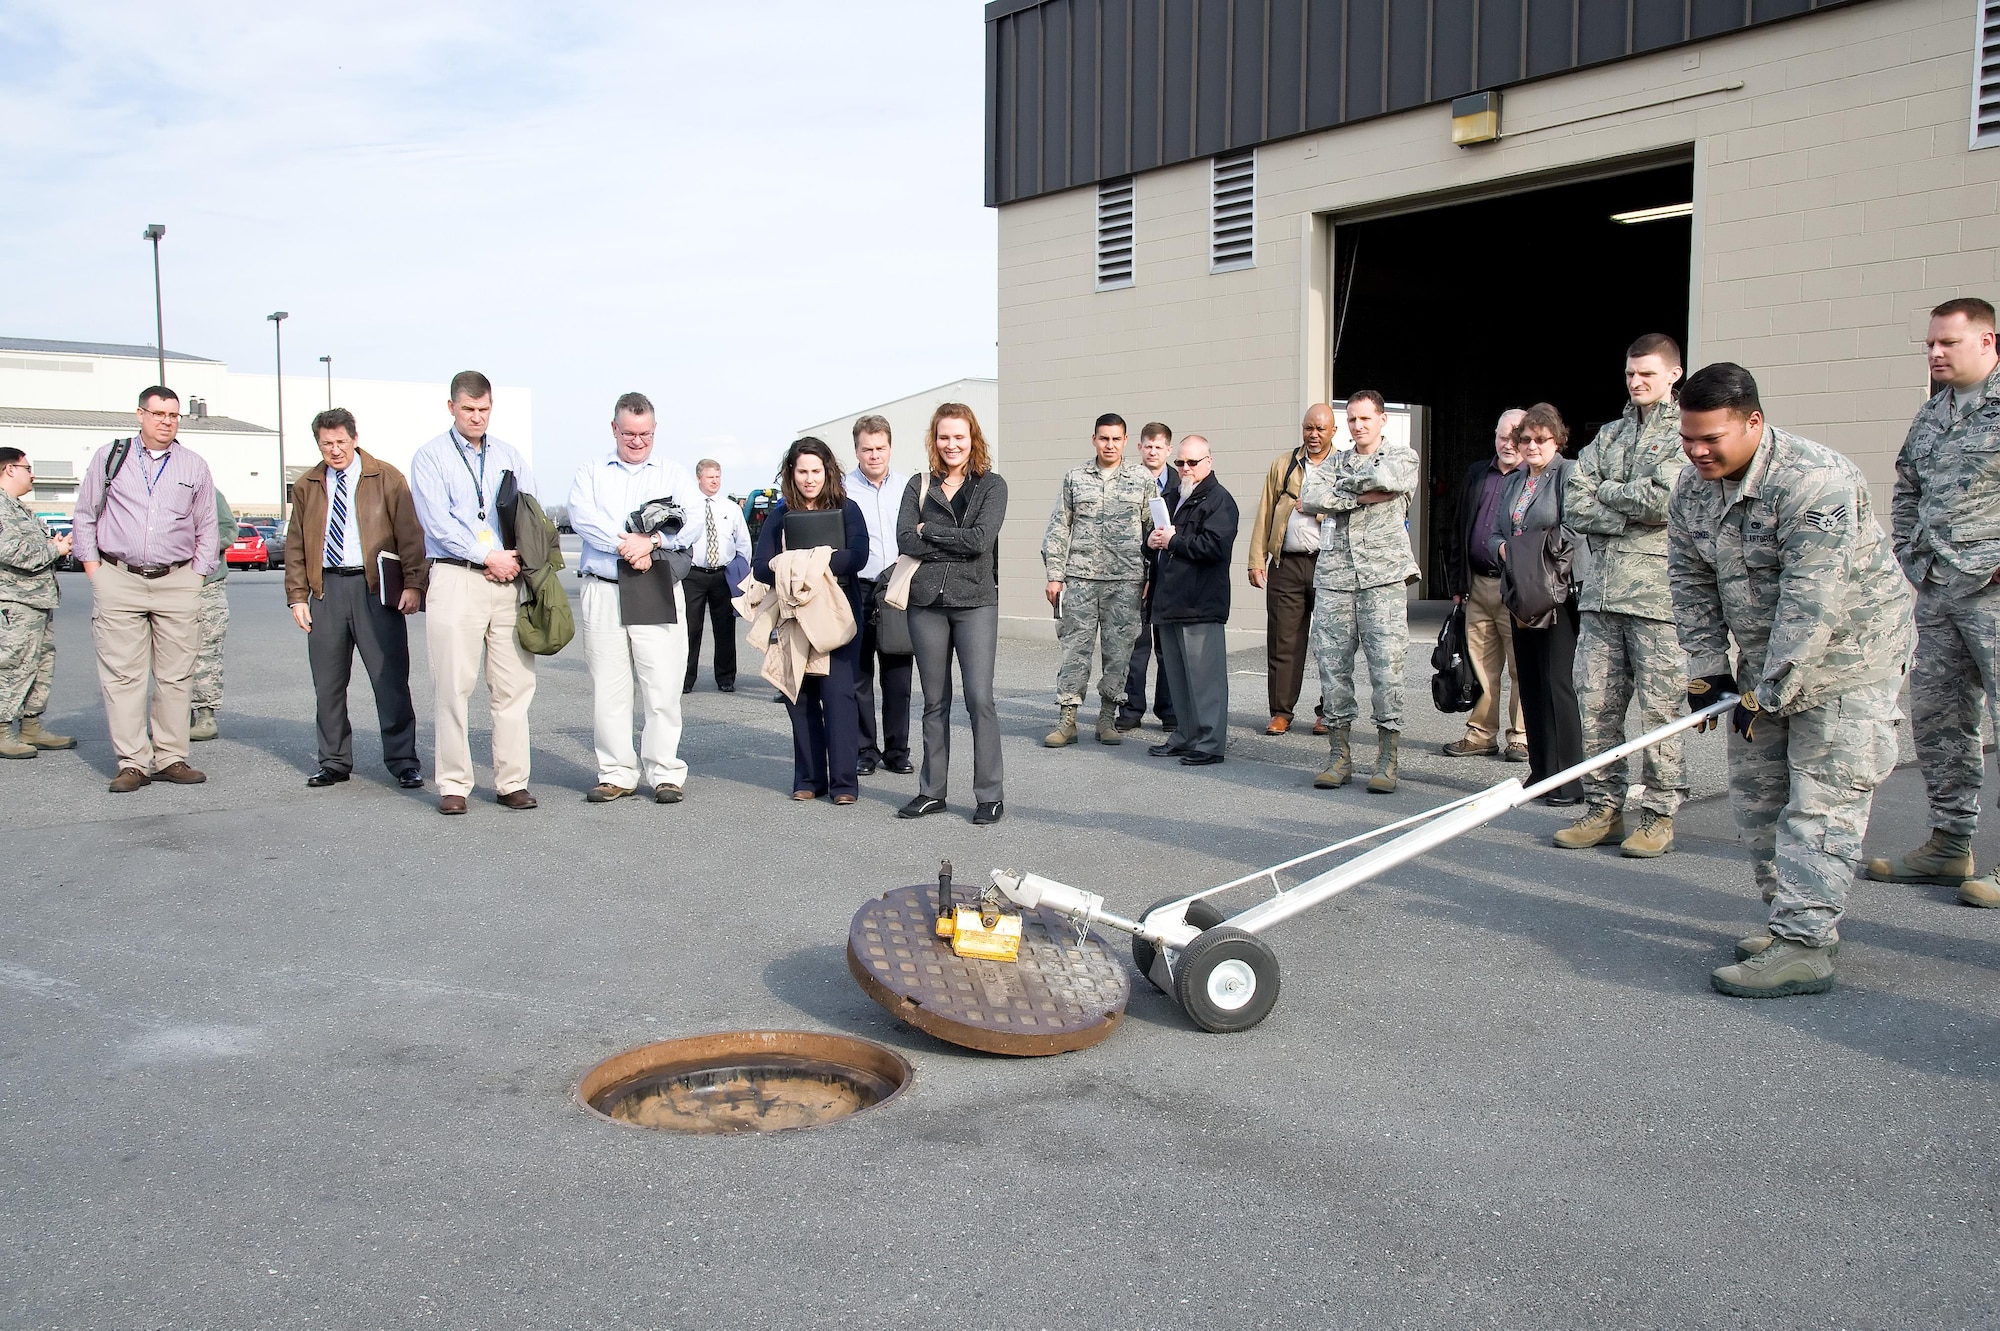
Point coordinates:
[(411, 780), (325, 776), (864, 768), (987, 812), (1563, 801), (1200, 759), (921, 806), (1165, 751), (902, 768), (726, 688)]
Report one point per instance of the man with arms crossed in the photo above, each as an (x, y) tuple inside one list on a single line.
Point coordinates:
[(879, 492), (147, 538), (455, 480)]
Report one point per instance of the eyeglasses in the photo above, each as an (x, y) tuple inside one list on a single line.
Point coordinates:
[(161, 415), (634, 437), (1189, 464)]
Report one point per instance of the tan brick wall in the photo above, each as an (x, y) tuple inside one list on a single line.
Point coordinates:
[(1835, 202)]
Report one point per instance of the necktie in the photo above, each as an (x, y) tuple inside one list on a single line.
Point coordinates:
[(714, 549), (336, 525)]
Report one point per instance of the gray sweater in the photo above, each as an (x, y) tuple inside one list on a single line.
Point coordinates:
[(957, 553), (1543, 512)]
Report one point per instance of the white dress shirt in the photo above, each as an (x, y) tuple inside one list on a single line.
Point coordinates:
[(349, 555), (880, 505), (732, 534), (607, 492)]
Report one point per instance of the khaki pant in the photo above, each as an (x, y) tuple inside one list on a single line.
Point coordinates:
[(146, 629), (1489, 641), (659, 655), (466, 615)]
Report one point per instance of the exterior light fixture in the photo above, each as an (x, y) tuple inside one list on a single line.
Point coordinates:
[(1475, 119), (1659, 214)]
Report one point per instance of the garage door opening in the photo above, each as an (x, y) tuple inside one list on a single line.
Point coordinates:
[(1472, 308)]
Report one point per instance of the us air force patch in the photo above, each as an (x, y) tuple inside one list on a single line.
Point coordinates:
[(1829, 519)]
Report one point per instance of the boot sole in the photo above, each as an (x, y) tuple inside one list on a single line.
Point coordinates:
[(1375, 789), (1631, 854), (1327, 783), (33, 751), (1939, 880), (1965, 900), (58, 748), (1787, 990)]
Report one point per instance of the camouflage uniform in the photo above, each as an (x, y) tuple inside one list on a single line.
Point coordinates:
[(28, 596), (1365, 562), (1946, 520), (1794, 567), (212, 618), (1618, 497), (1096, 547)]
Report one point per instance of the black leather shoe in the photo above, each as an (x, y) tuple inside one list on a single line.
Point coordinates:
[(864, 768), (325, 776), (921, 806), (1165, 751), (1200, 759), (988, 812), (726, 688), (411, 781), (902, 768), (1563, 801)]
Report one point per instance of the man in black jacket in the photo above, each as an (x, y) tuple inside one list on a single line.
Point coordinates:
[(1191, 607), (1475, 584)]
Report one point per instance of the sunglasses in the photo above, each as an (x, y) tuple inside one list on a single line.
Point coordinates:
[(1189, 464)]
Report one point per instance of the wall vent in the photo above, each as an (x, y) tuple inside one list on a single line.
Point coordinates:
[(1232, 234), (1986, 77), (1114, 234)]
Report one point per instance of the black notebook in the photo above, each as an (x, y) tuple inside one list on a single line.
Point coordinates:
[(648, 597), (819, 526)]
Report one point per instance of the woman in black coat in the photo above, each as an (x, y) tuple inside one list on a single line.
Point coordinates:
[(950, 522), (826, 724), (1531, 507)]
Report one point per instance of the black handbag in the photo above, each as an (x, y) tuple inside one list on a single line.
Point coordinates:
[(892, 626), (1454, 684)]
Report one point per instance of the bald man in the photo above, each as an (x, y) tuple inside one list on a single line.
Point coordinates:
[(1284, 556)]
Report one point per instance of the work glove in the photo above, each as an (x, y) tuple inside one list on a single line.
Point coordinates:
[(1704, 692)]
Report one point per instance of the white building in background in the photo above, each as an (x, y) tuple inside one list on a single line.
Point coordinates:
[(61, 401), (909, 417)]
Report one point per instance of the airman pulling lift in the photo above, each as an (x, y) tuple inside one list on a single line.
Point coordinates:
[(1067, 990)]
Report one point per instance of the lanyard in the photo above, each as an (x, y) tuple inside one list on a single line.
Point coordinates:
[(479, 480), (153, 478)]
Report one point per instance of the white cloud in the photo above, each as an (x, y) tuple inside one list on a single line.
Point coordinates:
[(756, 214)]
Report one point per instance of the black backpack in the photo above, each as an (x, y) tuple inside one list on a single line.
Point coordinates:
[(1454, 685)]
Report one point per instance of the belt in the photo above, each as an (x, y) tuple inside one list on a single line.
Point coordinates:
[(345, 570), (597, 576), (462, 563), (151, 571)]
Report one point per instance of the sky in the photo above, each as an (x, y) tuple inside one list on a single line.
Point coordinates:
[(760, 214)]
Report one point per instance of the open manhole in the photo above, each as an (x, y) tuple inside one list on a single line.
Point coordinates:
[(743, 1081)]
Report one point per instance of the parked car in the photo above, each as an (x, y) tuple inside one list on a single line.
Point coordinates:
[(62, 527), (248, 550), (274, 541)]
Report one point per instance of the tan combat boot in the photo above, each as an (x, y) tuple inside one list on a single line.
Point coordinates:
[(10, 744), (1384, 780), (32, 733), (1340, 758), (1945, 858), (1596, 827), (1654, 838), (201, 725), (1779, 969), (1747, 948), (1107, 724), (1065, 731), (1981, 891)]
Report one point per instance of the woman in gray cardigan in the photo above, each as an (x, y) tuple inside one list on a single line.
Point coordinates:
[(1531, 506), (950, 522)]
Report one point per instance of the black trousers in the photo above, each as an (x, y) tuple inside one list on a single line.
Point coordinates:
[(707, 594), (1146, 651), (891, 743), (347, 617), (1547, 660), (825, 737)]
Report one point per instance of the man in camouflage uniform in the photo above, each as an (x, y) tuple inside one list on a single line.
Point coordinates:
[(1095, 555), (1617, 497), (28, 596), (1362, 498), (1946, 522), (212, 618), (1771, 540)]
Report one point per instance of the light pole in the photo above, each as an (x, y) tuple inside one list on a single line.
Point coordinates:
[(328, 362), (153, 232), (278, 333)]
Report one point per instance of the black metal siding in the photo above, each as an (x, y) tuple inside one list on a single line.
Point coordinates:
[(1079, 91)]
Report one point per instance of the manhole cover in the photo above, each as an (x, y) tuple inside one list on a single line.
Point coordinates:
[(743, 1081)]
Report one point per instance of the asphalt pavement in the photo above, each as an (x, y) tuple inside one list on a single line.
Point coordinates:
[(280, 1057)]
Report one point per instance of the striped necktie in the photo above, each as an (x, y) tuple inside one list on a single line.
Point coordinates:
[(336, 525)]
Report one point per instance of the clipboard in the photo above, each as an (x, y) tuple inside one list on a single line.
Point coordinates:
[(389, 577)]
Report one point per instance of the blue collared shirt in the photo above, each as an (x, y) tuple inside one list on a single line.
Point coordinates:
[(444, 483), (350, 554), (606, 493), (880, 506)]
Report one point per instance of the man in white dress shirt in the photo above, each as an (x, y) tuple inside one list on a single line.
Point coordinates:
[(879, 492), (601, 502), (717, 537)]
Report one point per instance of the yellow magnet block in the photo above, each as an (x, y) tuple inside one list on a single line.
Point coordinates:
[(971, 938)]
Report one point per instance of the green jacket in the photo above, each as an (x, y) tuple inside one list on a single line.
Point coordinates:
[(225, 536), (1362, 545), (1617, 497), (27, 560), (545, 623), (1945, 511), (1795, 569)]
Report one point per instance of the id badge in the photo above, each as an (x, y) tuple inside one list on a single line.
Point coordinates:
[(485, 536)]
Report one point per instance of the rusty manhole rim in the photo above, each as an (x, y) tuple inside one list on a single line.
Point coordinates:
[(694, 1052)]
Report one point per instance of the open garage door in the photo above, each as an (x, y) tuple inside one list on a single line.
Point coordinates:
[(1470, 308)]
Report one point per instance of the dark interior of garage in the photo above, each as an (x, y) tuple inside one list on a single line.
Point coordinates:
[(1472, 308)]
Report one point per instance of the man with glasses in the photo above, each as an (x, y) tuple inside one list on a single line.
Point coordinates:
[(28, 596), (1191, 606), (145, 534)]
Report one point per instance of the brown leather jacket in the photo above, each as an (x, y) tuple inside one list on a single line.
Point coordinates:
[(388, 518)]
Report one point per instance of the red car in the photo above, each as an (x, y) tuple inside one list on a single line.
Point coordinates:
[(248, 549)]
